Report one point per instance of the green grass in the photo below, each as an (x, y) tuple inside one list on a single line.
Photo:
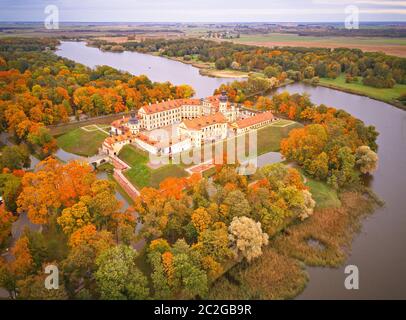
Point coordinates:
[(140, 175), (324, 196), (384, 94), (269, 138), (81, 142)]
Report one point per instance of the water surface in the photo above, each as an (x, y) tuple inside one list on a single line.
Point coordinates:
[(156, 68)]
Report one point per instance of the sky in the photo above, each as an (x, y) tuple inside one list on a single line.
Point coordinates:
[(203, 10)]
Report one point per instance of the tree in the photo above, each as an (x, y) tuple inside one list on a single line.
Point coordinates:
[(82, 235), (247, 237), (215, 242), (309, 72), (159, 278), (32, 288), (308, 205), (318, 167), (14, 157), (271, 71), (366, 159), (23, 263), (7, 278), (80, 265), (237, 204), (6, 222), (10, 188), (221, 63), (52, 186), (201, 219), (74, 218), (192, 278), (118, 277)]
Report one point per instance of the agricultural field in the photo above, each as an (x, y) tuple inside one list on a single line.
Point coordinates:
[(391, 46)]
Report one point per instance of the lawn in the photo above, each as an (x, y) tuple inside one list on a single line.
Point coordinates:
[(384, 94), (324, 196), (269, 138), (140, 175), (81, 142)]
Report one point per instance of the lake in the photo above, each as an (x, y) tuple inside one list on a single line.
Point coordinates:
[(379, 250)]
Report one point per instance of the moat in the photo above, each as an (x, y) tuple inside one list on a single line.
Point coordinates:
[(378, 250)]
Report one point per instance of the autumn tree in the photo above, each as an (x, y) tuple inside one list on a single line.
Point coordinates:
[(6, 221), (53, 185), (247, 237), (74, 218), (32, 288), (366, 159), (10, 188)]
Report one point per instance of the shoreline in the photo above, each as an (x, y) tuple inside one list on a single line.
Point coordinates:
[(206, 70), (394, 103)]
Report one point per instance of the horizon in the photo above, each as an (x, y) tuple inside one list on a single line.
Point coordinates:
[(211, 11)]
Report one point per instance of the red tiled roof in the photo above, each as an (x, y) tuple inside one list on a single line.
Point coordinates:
[(205, 121), (111, 140), (145, 138), (169, 105), (260, 117), (118, 123)]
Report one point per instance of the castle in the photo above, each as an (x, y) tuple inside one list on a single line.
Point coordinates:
[(189, 123)]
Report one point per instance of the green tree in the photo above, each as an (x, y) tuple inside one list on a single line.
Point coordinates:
[(118, 277), (237, 204), (15, 157), (10, 188)]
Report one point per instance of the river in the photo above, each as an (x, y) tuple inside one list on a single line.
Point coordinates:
[(156, 68), (379, 250)]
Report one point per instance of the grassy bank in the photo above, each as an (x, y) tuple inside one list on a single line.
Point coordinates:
[(81, 142), (141, 175), (208, 68), (388, 95)]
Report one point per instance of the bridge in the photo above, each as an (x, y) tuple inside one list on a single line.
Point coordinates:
[(98, 160)]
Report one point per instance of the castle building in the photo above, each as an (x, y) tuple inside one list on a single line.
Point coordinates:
[(208, 128), (197, 121)]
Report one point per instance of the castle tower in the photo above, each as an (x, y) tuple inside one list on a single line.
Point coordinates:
[(223, 102), (133, 123)]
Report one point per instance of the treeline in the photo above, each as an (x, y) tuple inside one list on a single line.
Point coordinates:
[(376, 69), (38, 88)]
